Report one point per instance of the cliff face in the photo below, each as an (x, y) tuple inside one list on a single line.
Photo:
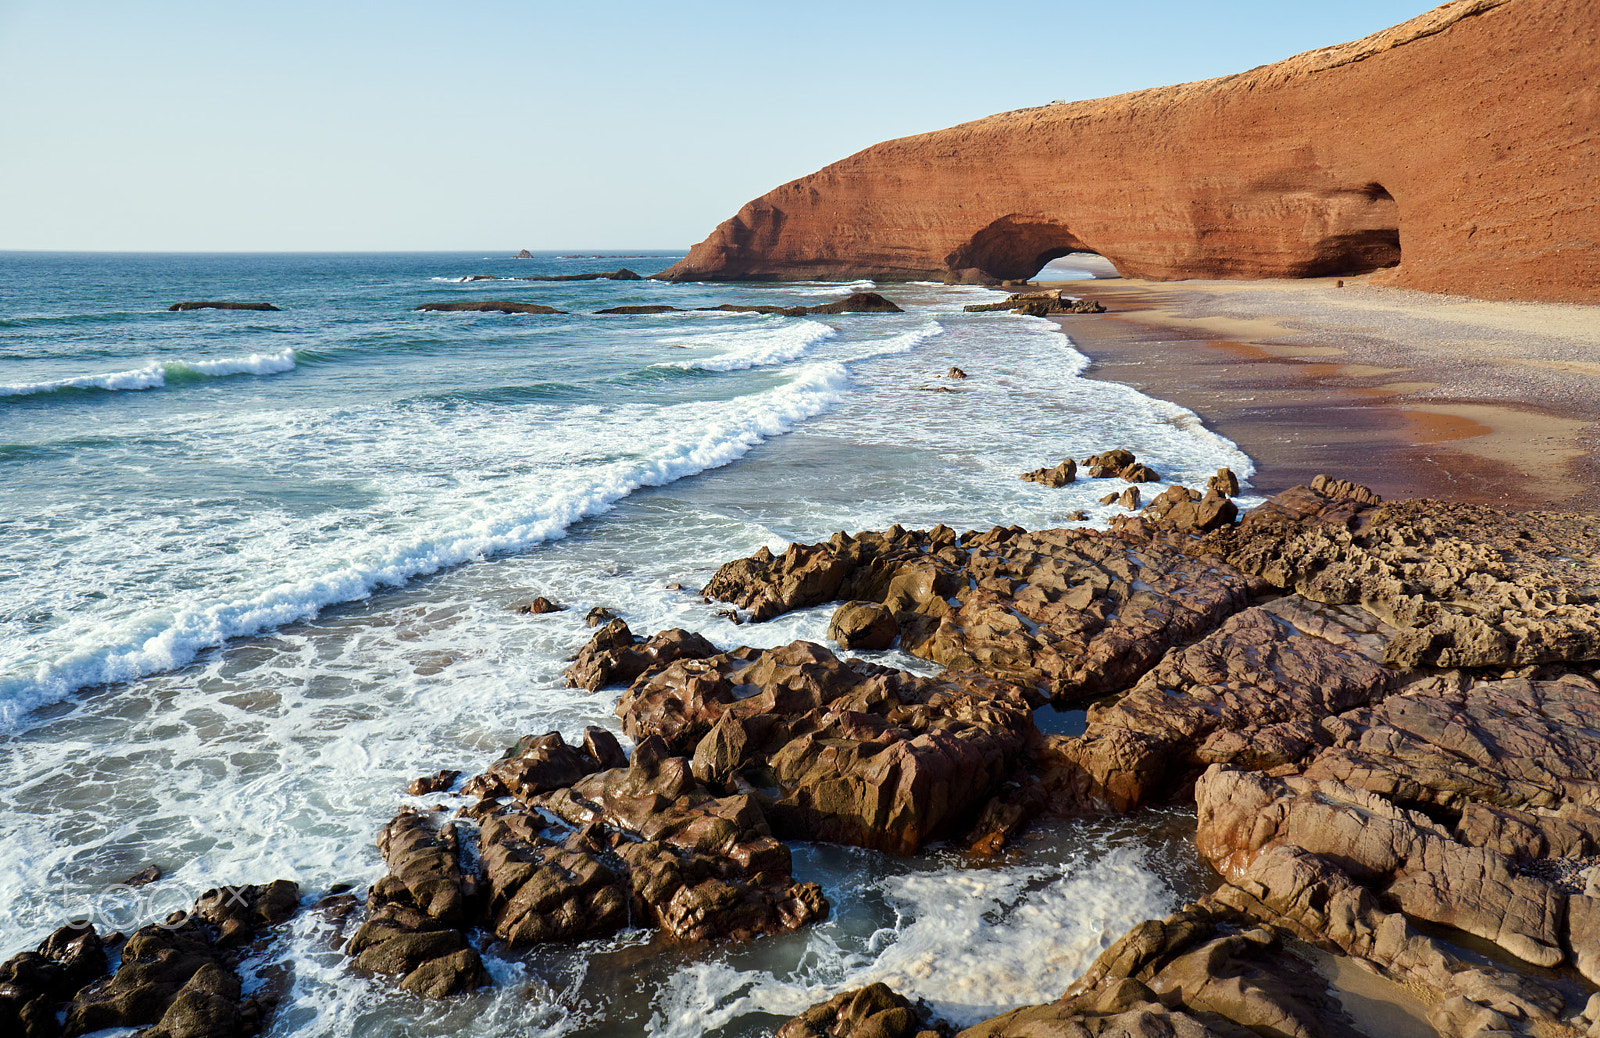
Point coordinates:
[(1461, 148)]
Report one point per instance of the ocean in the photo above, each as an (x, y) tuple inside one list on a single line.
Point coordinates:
[(258, 570)]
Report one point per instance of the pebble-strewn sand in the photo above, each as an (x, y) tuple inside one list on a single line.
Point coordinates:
[(1411, 393)]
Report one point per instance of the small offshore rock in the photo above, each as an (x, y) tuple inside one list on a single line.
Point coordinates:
[(540, 606), (1109, 499), (1059, 476), (216, 304), (858, 303), (1109, 463), (640, 310), (1129, 498), (599, 616), (956, 373), (1138, 473), (435, 783), (148, 874)]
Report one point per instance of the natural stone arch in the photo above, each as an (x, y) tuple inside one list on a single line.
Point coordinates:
[(1013, 248)]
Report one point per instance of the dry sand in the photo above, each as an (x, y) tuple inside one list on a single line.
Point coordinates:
[(1413, 394)]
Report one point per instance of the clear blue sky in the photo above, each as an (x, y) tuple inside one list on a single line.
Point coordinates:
[(492, 124)]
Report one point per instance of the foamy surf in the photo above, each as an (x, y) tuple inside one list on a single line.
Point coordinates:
[(972, 943), (154, 376), (168, 634), (777, 341)]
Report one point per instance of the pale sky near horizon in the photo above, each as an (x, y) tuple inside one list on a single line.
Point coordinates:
[(354, 125)]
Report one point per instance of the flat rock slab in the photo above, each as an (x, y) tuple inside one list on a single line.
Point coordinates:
[(1249, 693), (1465, 585)]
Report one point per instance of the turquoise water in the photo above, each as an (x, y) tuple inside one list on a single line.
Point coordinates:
[(257, 570)]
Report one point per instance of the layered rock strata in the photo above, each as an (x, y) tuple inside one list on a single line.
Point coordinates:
[(1459, 145)]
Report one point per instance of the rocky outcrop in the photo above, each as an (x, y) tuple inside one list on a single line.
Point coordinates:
[(34, 983), (1251, 692), (1457, 145), (1065, 614), (1055, 476), (857, 303), (1039, 304), (175, 979), (419, 912), (212, 304), (1465, 585), (653, 842), (874, 1011), (623, 274), (497, 306), (842, 751), (616, 656)]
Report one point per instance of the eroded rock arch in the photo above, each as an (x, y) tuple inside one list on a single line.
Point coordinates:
[(1012, 248)]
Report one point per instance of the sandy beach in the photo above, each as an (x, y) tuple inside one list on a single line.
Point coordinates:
[(1414, 394)]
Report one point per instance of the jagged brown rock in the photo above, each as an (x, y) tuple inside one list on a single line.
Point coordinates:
[(616, 656), (847, 751), (1253, 175), (1250, 693), (419, 912), (34, 983), (1059, 476), (652, 845), (874, 1011), (863, 625)]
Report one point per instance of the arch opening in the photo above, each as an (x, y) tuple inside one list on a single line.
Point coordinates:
[(1360, 233), (1012, 248)]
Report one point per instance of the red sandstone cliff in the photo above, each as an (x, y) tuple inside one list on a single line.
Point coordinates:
[(1463, 145)]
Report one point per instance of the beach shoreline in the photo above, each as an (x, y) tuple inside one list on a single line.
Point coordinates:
[(1462, 400)]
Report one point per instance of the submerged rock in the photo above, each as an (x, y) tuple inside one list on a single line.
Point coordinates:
[(501, 306)]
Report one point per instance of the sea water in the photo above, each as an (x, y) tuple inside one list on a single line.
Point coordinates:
[(260, 569)]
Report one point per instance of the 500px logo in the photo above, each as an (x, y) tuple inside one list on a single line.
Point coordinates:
[(126, 907)]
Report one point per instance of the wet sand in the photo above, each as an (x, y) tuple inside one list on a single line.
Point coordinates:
[(1413, 394)]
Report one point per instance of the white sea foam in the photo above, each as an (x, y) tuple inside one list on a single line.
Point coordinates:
[(679, 441), (154, 376), (778, 342), (972, 943)]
